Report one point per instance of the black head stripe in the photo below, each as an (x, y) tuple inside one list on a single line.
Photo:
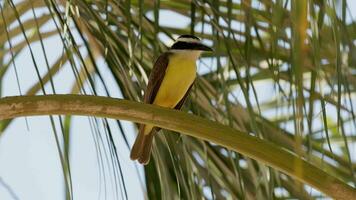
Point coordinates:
[(189, 36), (187, 45)]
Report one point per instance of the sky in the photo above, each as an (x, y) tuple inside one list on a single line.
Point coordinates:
[(29, 162)]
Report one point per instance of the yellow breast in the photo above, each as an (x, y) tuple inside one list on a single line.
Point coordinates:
[(180, 75)]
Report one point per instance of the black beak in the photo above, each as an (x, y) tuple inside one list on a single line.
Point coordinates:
[(203, 47)]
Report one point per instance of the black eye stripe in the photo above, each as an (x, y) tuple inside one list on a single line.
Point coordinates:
[(187, 45)]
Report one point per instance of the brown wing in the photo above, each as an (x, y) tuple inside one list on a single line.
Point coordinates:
[(141, 149), (156, 78)]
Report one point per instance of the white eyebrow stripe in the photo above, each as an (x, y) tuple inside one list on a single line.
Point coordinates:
[(190, 40)]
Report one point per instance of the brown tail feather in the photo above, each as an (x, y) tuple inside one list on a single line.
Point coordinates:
[(141, 149), (147, 148)]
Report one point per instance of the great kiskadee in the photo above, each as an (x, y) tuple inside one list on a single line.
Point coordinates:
[(168, 86)]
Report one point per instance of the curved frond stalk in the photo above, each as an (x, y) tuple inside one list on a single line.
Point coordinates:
[(260, 150)]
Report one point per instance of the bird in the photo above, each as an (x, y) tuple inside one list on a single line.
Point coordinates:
[(169, 84)]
